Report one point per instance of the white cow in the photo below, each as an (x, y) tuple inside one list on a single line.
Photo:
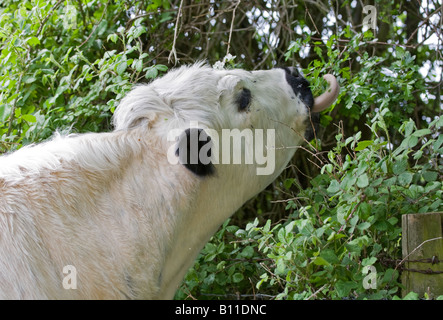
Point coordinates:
[(113, 216)]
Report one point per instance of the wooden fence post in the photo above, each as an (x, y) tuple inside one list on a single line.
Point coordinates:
[(422, 246)]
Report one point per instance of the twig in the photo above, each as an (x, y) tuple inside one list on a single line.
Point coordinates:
[(232, 27), (418, 247), (47, 17), (422, 23), (189, 294), (372, 42), (287, 200), (173, 50), (312, 20), (159, 11), (349, 217), (238, 295), (96, 26), (316, 292)]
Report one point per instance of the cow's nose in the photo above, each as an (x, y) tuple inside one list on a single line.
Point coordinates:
[(299, 85)]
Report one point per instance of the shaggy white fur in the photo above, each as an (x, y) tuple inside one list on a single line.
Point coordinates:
[(114, 208)]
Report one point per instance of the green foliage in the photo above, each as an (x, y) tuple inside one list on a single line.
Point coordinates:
[(341, 238), (346, 222), (60, 72), (381, 82)]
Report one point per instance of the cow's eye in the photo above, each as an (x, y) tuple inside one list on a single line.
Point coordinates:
[(244, 99)]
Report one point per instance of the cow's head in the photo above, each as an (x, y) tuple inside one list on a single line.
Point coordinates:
[(265, 113)]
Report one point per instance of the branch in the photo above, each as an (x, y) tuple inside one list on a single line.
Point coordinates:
[(96, 26), (260, 296), (47, 17), (314, 295), (173, 50), (373, 42), (418, 247), (232, 26), (423, 22)]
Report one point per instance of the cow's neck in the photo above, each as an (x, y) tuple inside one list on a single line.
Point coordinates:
[(215, 200)]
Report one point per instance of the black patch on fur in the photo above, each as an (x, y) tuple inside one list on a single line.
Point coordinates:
[(244, 100), (301, 88), (194, 151)]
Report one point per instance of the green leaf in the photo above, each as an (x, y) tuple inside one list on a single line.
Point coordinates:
[(400, 166), (281, 235), (289, 227), (210, 248), (138, 65), (161, 67), (288, 183), (363, 145), (430, 176), (363, 226), (319, 261), (139, 31), (4, 112), (33, 41), (405, 178), (418, 154), (432, 185), (237, 277), (348, 181), (364, 210), (113, 37), (409, 127), (334, 187), (151, 73), (29, 118), (421, 133), (210, 257), (121, 67), (439, 142), (342, 213), (343, 288), (29, 79), (330, 256), (389, 182), (368, 261), (267, 226), (411, 296), (102, 27), (412, 141), (247, 252), (363, 181)]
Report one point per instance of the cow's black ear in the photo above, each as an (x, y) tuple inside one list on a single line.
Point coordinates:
[(194, 151)]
